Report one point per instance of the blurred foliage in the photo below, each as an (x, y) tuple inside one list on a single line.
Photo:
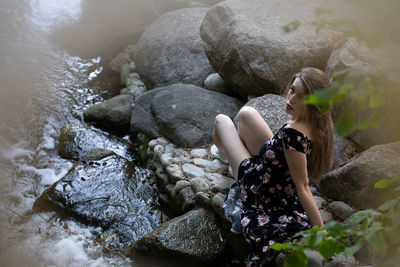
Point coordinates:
[(364, 99), (379, 230), (357, 90)]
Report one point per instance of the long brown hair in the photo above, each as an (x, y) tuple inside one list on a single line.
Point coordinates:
[(321, 158)]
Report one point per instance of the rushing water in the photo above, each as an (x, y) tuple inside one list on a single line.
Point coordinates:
[(54, 63)]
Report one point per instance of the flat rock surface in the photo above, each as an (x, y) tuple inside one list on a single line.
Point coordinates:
[(193, 235), (107, 193), (354, 182), (114, 112), (185, 114)]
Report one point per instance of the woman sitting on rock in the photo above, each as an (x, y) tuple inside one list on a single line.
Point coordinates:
[(273, 171)]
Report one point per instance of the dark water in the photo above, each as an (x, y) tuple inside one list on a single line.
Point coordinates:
[(54, 63)]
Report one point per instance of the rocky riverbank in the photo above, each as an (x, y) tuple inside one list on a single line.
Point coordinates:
[(188, 66)]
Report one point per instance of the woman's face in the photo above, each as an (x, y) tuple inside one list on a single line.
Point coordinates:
[(294, 103)]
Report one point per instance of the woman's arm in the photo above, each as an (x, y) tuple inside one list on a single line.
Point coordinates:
[(297, 164)]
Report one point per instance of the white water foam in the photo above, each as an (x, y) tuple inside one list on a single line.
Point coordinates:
[(48, 176)]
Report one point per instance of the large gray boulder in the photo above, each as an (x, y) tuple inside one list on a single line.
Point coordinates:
[(349, 53), (271, 108), (354, 182), (171, 50), (186, 117), (142, 120), (76, 141), (248, 46), (193, 236), (113, 113), (109, 192)]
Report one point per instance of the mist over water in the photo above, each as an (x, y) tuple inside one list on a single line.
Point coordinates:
[(54, 63)]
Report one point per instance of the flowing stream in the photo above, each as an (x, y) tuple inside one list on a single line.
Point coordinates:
[(54, 63)]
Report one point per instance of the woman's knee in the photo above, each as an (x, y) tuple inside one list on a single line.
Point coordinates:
[(222, 119), (246, 114)]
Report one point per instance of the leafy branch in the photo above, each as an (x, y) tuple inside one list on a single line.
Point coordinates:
[(378, 229)]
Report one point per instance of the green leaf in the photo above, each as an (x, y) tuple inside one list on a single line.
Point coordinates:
[(356, 247), (292, 26), (345, 123), (388, 204), (360, 216), (334, 229), (281, 246), (328, 248), (365, 224), (315, 239), (384, 183), (296, 259)]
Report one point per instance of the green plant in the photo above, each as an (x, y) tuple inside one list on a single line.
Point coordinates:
[(358, 92), (379, 230)]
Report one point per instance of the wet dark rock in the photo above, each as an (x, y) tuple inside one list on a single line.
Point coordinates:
[(193, 236), (248, 46), (77, 141), (114, 112), (171, 50), (185, 117), (142, 120), (97, 154), (109, 192), (354, 182)]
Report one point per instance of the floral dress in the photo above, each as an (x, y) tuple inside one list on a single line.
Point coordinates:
[(267, 203)]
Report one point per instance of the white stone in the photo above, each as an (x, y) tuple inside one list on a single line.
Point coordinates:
[(192, 171), (180, 151), (218, 182), (158, 151), (198, 184), (162, 141), (321, 202), (175, 173), (199, 152), (181, 159), (217, 165), (202, 162), (166, 159), (153, 143), (169, 148), (326, 216)]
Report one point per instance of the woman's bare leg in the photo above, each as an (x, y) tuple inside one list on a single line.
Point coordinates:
[(253, 130), (227, 139)]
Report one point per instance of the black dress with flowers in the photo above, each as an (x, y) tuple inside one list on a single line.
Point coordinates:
[(271, 208)]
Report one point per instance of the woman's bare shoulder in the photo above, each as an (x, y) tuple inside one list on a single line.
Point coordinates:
[(301, 127)]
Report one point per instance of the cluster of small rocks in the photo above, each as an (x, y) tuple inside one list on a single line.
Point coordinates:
[(188, 178), (191, 177)]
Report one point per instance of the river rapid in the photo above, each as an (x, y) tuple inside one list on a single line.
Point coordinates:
[(54, 64)]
